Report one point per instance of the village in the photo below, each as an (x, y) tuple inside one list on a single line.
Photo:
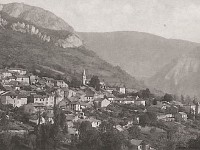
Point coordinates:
[(139, 115)]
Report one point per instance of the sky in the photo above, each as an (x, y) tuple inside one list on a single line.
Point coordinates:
[(178, 19)]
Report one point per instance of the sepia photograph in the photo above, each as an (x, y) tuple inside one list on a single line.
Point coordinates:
[(99, 75)]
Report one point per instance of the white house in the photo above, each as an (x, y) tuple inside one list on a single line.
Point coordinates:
[(61, 83), (23, 79), (121, 90), (14, 99), (105, 102), (18, 70), (6, 74)]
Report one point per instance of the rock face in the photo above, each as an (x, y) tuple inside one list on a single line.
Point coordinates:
[(36, 15), (69, 41), (180, 76)]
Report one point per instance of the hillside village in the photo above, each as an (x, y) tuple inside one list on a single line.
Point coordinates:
[(57, 94), (29, 101)]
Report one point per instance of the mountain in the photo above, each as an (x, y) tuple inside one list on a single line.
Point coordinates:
[(140, 54), (55, 51), (35, 15), (181, 76)]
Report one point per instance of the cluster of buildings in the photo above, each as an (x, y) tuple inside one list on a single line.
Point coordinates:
[(38, 95), (21, 88), (175, 111)]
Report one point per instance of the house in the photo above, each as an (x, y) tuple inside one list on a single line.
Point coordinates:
[(71, 93), (89, 95), (140, 101), (105, 102), (181, 116), (121, 90), (35, 120), (94, 122), (165, 117), (6, 74), (63, 104), (33, 108), (119, 128), (49, 117), (8, 79), (101, 102), (102, 85), (49, 81), (61, 83), (75, 106), (60, 95), (23, 79), (110, 97), (191, 108), (18, 70), (128, 101), (135, 144), (110, 90), (139, 145), (14, 99), (39, 99), (33, 79), (85, 105), (70, 119)]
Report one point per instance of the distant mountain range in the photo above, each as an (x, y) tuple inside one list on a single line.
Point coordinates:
[(34, 37), (181, 76), (140, 54)]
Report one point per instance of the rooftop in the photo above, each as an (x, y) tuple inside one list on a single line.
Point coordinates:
[(136, 142)]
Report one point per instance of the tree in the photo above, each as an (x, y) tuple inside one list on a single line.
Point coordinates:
[(58, 77), (144, 120), (4, 122), (95, 82), (152, 117), (62, 120), (112, 140), (91, 140), (12, 65), (182, 99), (134, 132), (146, 93), (168, 97), (106, 126), (154, 102), (5, 141), (83, 128), (75, 83)]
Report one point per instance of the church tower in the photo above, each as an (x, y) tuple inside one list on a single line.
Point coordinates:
[(84, 77)]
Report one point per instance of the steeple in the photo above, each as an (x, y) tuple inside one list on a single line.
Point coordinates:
[(84, 77)]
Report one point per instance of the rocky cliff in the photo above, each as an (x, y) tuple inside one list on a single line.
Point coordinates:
[(181, 76), (36, 15), (69, 40)]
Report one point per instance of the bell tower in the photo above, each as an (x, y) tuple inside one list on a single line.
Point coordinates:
[(84, 77)]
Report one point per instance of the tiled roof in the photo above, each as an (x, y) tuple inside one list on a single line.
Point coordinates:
[(136, 142)]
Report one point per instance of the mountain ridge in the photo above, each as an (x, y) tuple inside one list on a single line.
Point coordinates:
[(143, 53)]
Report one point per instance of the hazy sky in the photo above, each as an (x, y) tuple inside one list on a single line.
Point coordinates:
[(168, 18)]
